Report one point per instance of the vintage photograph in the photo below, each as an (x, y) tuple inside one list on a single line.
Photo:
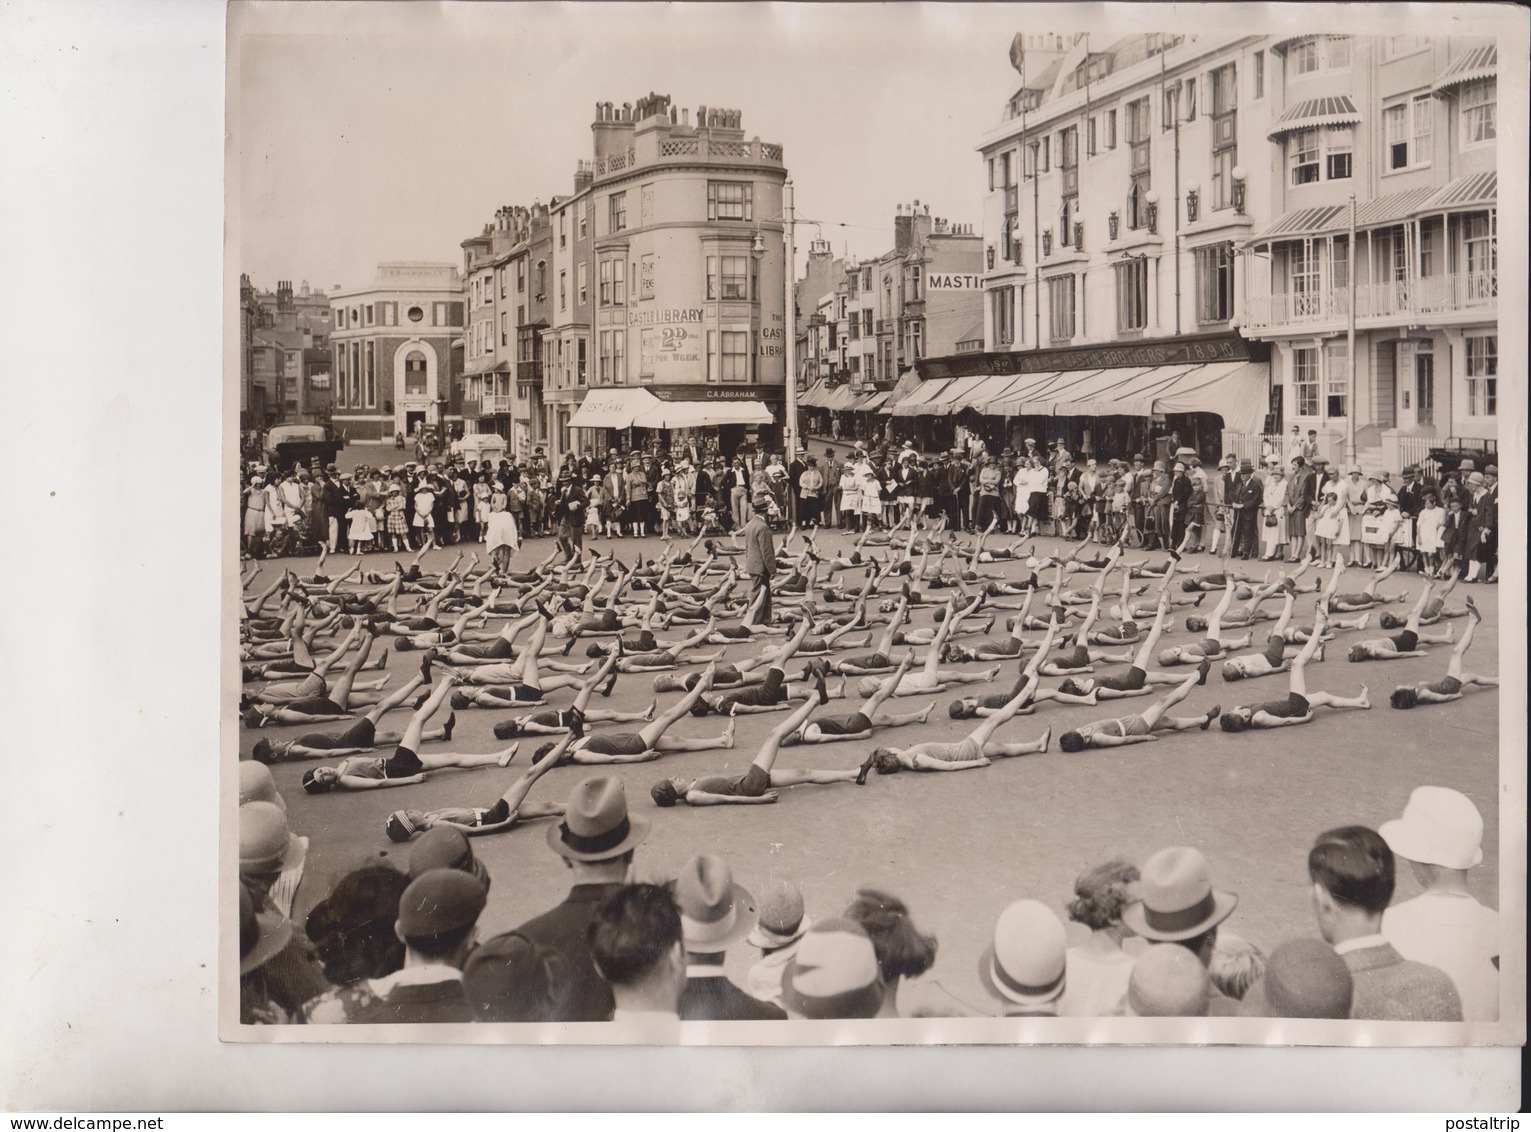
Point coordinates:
[(674, 441)]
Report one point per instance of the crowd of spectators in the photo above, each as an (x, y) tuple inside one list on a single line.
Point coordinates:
[(402, 946)]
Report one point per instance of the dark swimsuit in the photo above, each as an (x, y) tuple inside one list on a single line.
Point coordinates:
[(1129, 681), (1293, 707), (853, 724), (751, 784), (618, 743), (362, 733), (772, 691)]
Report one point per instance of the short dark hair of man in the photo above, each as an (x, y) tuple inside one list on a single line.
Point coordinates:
[(1355, 866), (633, 930)]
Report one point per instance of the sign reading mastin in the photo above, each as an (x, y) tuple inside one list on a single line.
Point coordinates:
[(952, 281)]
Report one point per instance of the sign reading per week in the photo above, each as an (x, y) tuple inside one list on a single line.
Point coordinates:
[(952, 281)]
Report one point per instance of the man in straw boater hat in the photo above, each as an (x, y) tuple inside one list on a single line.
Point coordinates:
[(1441, 836), (1177, 904), (1351, 870), (596, 840), (778, 928), (715, 913), (1024, 965)]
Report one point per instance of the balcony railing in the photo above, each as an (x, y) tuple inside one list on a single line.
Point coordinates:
[(1430, 295)]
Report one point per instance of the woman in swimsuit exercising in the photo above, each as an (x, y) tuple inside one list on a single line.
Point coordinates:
[(1138, 728), (1448, 687), (1298, 706)]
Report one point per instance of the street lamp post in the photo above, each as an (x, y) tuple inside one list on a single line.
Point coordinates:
[(1350, 345)]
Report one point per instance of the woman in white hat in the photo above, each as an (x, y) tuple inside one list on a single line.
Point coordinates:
[(1025, 965)]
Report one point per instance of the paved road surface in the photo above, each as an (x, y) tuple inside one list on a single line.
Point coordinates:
[(959, 847)]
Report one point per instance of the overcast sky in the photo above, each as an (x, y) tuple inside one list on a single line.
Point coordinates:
[(394, 132)]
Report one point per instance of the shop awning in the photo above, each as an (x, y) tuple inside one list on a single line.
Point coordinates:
[(914, 404), (951, 397), (813, 396), (1236, 391), (1331, 110), (871, 402), (699, 414), (840, 399), (992, 387), (907, 383), (1478, 190), (1479, 63), (612, 408)]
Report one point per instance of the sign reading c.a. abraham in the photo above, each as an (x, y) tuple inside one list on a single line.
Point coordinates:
[(670, 343)]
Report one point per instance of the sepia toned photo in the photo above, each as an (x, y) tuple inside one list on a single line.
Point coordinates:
[(914, 524)]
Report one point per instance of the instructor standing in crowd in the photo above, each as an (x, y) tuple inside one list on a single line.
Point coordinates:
[(760, 555)]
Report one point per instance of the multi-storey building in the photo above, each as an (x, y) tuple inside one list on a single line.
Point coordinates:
[(566, 343), (395, 357), (1384, 190), (919, 299), (505, 311), (1118, 190), (687, 327), (284, 355)]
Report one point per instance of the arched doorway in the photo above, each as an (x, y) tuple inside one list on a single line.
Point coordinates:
[(414, 374)]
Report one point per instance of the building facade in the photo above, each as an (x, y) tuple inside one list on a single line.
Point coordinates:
[(873, 320), (686, 325), (284, 355), (397, 352), (1403, 129), (566, 343), (1119, 187), (504, 312)]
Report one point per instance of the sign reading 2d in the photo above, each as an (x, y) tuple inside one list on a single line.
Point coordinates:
[(950, 281), (670, 344)]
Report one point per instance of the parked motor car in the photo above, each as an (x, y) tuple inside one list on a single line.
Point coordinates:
[(290, 444), (482, 446), (1449, 459)]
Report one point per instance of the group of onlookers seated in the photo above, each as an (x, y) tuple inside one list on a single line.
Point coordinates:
[(402, 947)]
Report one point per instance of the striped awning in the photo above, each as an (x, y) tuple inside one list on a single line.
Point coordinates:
[(1479, 63), (915, 404), (1306, 222), (953, 395), (1331, 110), (1381, 211), (871, 403), (1477, 190)]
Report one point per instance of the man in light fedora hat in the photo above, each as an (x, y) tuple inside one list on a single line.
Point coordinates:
[(596, 840), (778, 927), (1177, 904), (1441, 836), (1024, 965), (715, 913)]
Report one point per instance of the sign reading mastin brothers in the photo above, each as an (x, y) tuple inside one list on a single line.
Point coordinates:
[(952, 281)]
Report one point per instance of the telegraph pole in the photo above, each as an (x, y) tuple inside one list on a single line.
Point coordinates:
[(789, 426), (1350, 346)]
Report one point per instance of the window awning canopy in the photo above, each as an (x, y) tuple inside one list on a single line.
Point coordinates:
[(1379, 212), (871, 402), (1331, 110), (701, 414), (1477, 190), (1236, 391), (612, 408), (1479, 63), (907, 383)]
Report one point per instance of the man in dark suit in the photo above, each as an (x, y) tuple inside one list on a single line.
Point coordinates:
[(759, 554), (1244, 504), (1411, 500), (437, 917), (714, 914), (596, 839), (1352, 873)]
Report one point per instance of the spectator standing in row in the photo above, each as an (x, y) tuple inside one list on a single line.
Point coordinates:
[(1177, 904), (715, 913), (1351, 869)]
